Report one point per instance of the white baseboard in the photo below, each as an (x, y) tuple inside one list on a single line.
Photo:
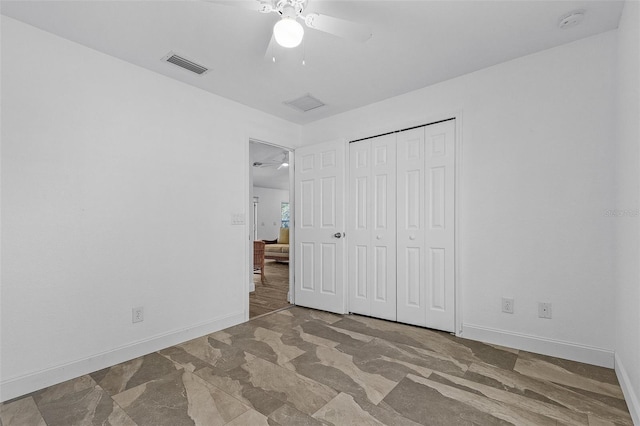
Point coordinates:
[(22, 385), (252, 287), (541, 345), (630, 395)]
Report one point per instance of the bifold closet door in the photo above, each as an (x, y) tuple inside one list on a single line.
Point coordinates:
[(425, 233), (371, 238), (410, 230)]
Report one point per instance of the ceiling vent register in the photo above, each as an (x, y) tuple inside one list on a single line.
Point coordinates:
[(305, 103), (185, 63)]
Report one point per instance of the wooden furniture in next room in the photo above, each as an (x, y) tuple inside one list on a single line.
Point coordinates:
[(258, 259)]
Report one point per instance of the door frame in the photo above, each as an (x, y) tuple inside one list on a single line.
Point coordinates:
[(248, 276), (404, 124)]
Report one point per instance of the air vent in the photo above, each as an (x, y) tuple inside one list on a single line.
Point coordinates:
[(305, 103), (185, 63)]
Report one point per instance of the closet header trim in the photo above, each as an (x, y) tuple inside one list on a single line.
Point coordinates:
[(401, 130)]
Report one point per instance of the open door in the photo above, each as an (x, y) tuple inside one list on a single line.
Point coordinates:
[(319, 227)]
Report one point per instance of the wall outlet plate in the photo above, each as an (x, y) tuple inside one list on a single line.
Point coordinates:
[(544, 310), (507, 305), (137, 314)]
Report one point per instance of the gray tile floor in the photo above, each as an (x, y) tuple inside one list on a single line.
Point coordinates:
[(306, 367)]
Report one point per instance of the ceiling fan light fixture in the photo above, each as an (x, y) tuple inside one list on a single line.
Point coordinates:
[(285, 160), (288, 32)]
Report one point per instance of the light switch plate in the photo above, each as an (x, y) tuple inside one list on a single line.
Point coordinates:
[(237, 218)]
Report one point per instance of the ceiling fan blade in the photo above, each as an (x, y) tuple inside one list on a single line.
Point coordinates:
[(338, 27), (263, 6), (272, 49)]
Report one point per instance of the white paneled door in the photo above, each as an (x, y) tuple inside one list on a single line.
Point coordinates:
[(426, 233), (372, 229), (411, 229), (319, 226), (439, 226)]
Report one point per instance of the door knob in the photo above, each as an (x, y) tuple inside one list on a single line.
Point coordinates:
[(413, 237), (337, 235), (379, 237)]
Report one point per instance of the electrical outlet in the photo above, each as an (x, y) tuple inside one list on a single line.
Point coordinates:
[(507, 305), (137, 314), (544, 310)]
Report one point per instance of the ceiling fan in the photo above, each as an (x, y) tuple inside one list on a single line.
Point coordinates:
[(277, 164), (288, 32)]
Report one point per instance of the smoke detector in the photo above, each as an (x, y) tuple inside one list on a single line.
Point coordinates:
[(571, 19)]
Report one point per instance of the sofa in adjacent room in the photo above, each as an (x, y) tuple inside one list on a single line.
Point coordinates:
[(278, 249)]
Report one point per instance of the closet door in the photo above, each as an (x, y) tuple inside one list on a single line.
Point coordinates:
[(439, 226), (371, 238), (410, 227), (426, 269)]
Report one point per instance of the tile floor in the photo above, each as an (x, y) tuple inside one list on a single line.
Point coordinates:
[(306, 367), (271, 294)]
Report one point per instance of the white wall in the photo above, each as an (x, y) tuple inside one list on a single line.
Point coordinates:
[(269, 213), (114, 196), (537, 177), (627, 318)]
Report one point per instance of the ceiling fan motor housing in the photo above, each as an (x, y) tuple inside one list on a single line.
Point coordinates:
[(286, 7)]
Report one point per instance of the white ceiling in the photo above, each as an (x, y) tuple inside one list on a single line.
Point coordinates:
[(414, 44)]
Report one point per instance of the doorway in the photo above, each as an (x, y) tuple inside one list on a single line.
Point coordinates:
[(270, 225)]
